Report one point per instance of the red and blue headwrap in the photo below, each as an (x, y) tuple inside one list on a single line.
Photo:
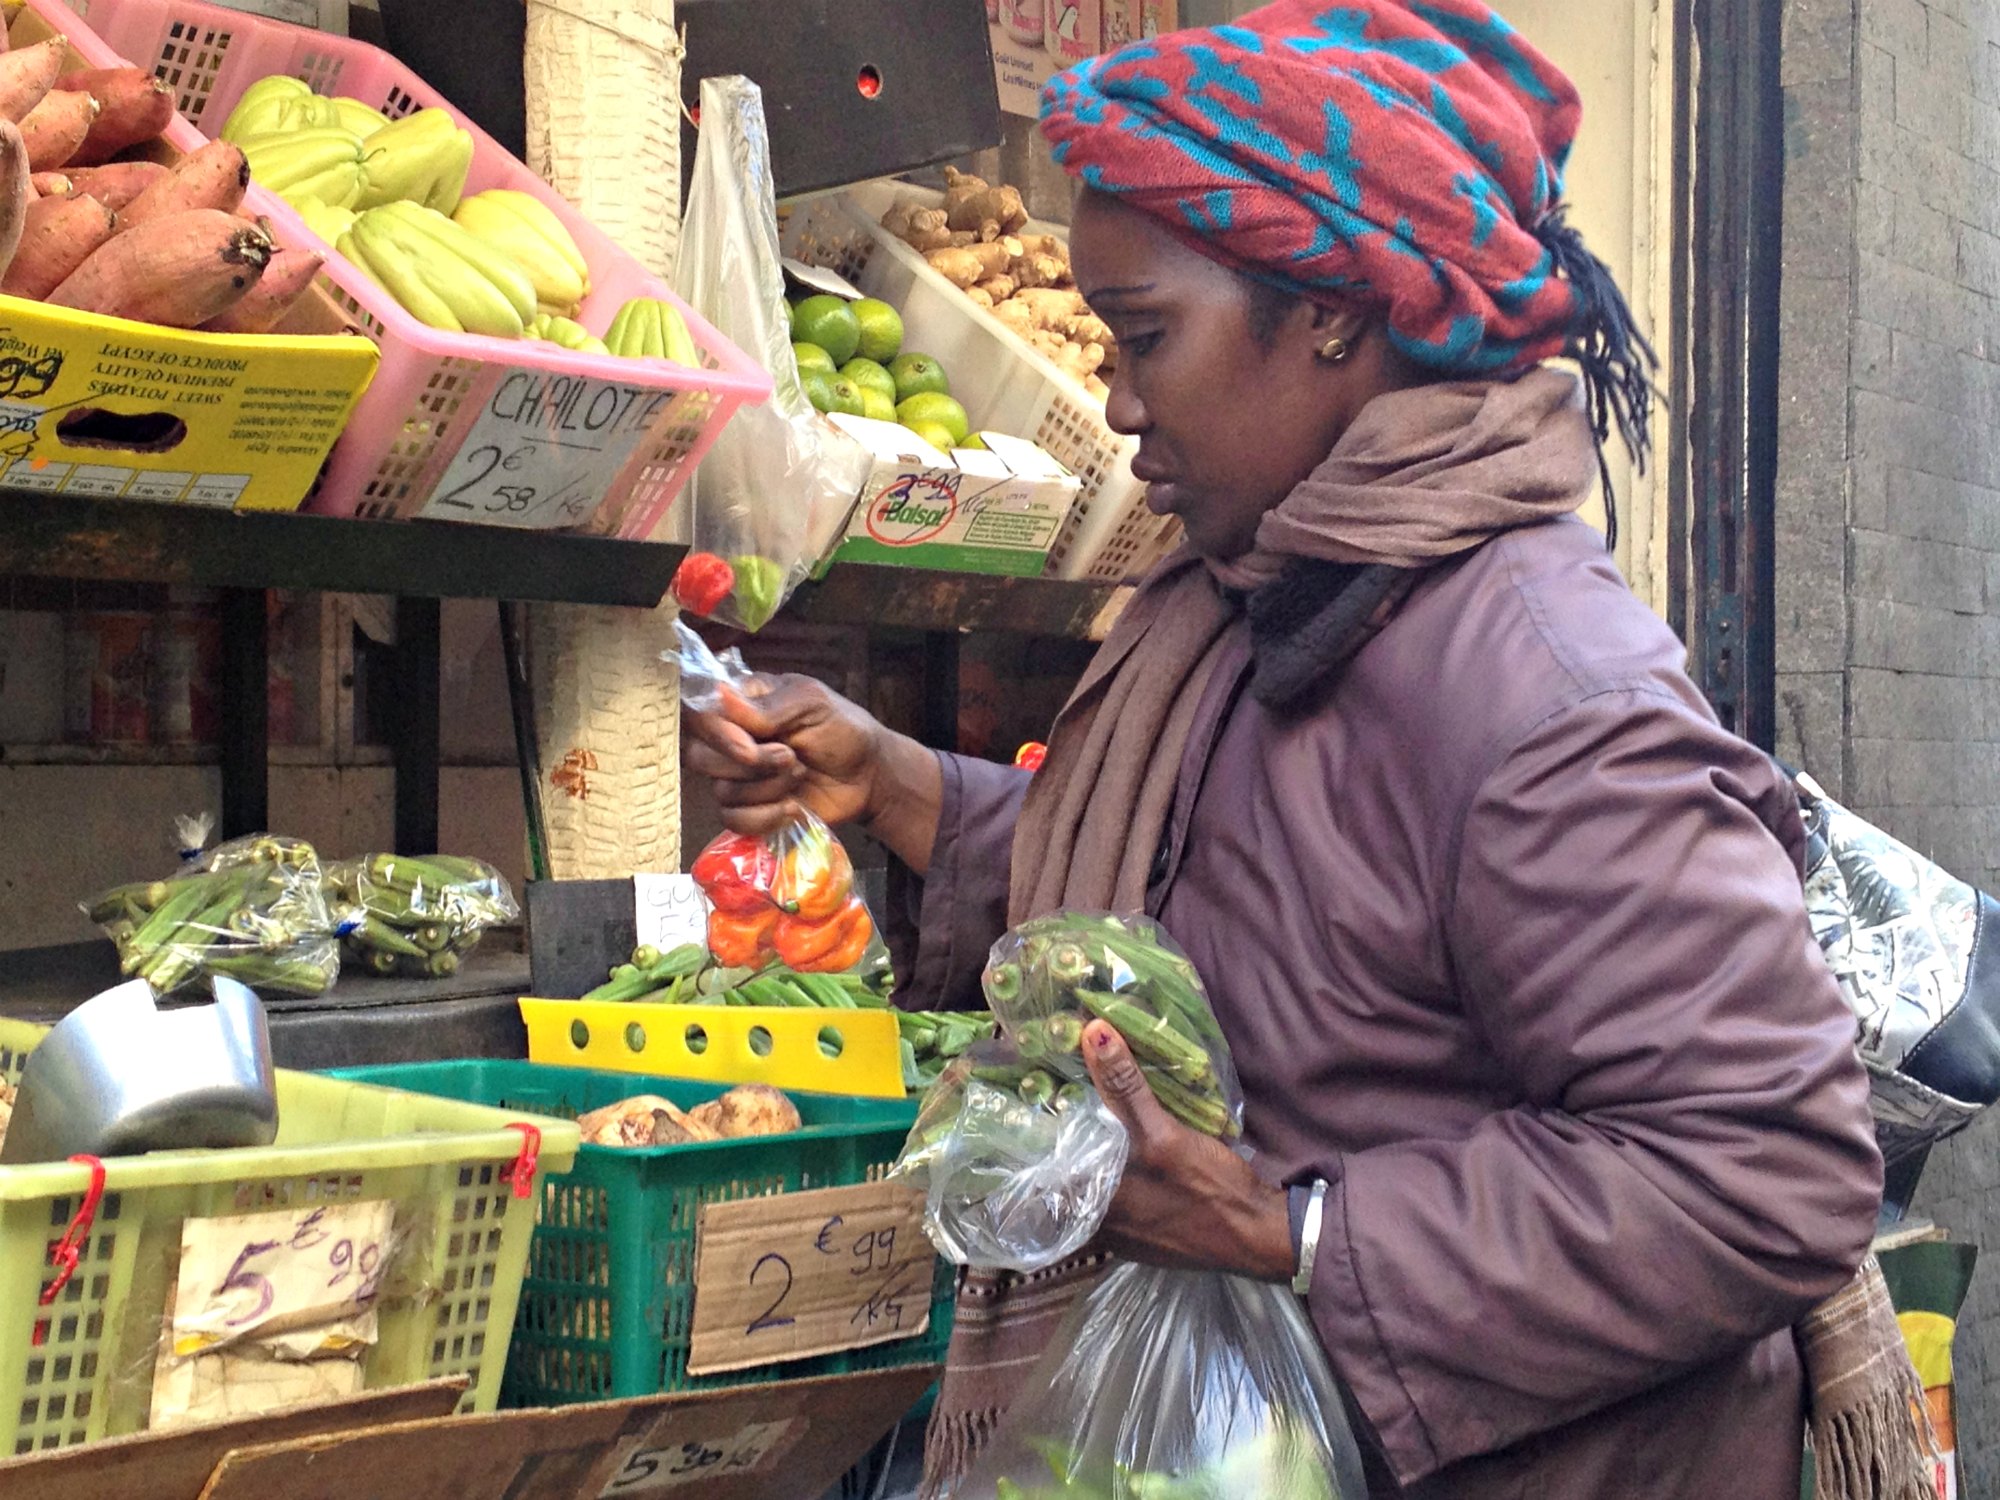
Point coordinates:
[(1406, 154)]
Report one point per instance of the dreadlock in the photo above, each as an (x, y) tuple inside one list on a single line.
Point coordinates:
[(1615, 357)]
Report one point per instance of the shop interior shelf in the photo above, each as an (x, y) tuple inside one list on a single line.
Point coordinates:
[(68, 537), (362, 1020)]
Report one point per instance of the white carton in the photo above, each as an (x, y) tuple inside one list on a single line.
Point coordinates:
[(996, 510)]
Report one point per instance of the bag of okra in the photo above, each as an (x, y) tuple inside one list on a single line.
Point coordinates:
[(1017, 1155), (417, 917), (253, 909)]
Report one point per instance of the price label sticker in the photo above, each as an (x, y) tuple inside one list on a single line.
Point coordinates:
[(671, 911), (545, 450), (660, 1463), (261, 1274), (798, 1274)]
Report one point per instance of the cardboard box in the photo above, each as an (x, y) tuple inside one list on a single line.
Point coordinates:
[(788, 1440), (114, 409), (972, 511)]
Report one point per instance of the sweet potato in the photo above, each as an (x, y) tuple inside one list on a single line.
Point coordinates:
[(60, 234), (50, 184), (56, 127), (180, 270), (27, 76), (285, 280), (119, 183), (133, 106), (213, 177), (15, 193), (749, 1109)]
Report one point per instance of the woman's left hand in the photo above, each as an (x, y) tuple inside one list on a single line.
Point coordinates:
[(1187, 1200)]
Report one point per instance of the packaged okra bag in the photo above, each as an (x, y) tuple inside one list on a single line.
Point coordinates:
[(1162, 1384)]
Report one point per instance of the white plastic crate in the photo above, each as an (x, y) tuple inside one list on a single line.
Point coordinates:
[(1006, 385)]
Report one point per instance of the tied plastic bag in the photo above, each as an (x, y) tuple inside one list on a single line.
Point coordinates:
[(786, 899), (1016, 1154), (777, 486), (254, 909), (1176, 1385), (417, 917)]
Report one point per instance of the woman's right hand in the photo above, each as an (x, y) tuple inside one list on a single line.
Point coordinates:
[(793, 744)]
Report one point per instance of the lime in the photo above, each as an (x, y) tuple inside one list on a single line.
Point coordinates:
[(974, 440), (935, 433), (878, 406), (870, 377), (916, 374), (931, 406), (812, 357), (881, 329), (818, 386), (844, 396), (830, 323)]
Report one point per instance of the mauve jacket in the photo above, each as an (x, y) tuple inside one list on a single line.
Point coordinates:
[(1507, 937)]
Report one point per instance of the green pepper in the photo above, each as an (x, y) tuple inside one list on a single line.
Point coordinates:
[(760, 589)]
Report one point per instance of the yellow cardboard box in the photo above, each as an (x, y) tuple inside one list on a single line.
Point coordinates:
[(113, 409)]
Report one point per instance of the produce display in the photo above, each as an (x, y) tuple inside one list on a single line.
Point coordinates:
[(852, 361), (154, 241), (390, 196), (254, 910), (751, 1109), (689, 975), (976, 241), (1016, 1152), (416, 917)]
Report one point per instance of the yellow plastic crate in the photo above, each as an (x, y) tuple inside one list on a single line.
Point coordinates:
[(448, 1311)]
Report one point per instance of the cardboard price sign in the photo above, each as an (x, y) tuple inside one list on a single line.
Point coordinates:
[(799, 1274), (754, 1448), (545, 450)]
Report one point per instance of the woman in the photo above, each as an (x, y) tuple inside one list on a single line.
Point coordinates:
[(1546, 1079)]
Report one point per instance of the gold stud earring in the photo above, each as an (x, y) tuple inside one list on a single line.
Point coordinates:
[(1334, 350)]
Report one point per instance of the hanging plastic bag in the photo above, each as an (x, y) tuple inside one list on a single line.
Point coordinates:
[(777, 486), (417, 917), (786, 899), (1176, 1385), (1017, 1155), (254, 909)]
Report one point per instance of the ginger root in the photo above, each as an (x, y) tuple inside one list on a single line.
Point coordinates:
[(966, 266), (1050, 307), (920, 228), (1080, 361), (1097, 387), (971, 203), (996, 288)]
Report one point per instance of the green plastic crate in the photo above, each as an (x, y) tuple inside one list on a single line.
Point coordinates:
[(440, 1162), (609, 1297)]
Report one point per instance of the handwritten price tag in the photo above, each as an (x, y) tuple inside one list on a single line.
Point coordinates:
[(800, 1274), (752, 1449), (545, 450), (262, 1274), (671, 911)]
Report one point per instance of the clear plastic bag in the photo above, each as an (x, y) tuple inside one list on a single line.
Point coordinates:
[(1176, 1385), (1016, 1154), (254, 909), (417, 917), (789, 898), (780, 481)]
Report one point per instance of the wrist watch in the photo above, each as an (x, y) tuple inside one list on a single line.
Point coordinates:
[(1315, 1215)]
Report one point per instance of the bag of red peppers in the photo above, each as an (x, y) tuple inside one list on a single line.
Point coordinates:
[(785, 899)]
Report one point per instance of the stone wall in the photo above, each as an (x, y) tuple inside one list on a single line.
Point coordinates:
[(1888, 525)]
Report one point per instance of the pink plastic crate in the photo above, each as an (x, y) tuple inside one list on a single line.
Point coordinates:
[(409, 425)]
